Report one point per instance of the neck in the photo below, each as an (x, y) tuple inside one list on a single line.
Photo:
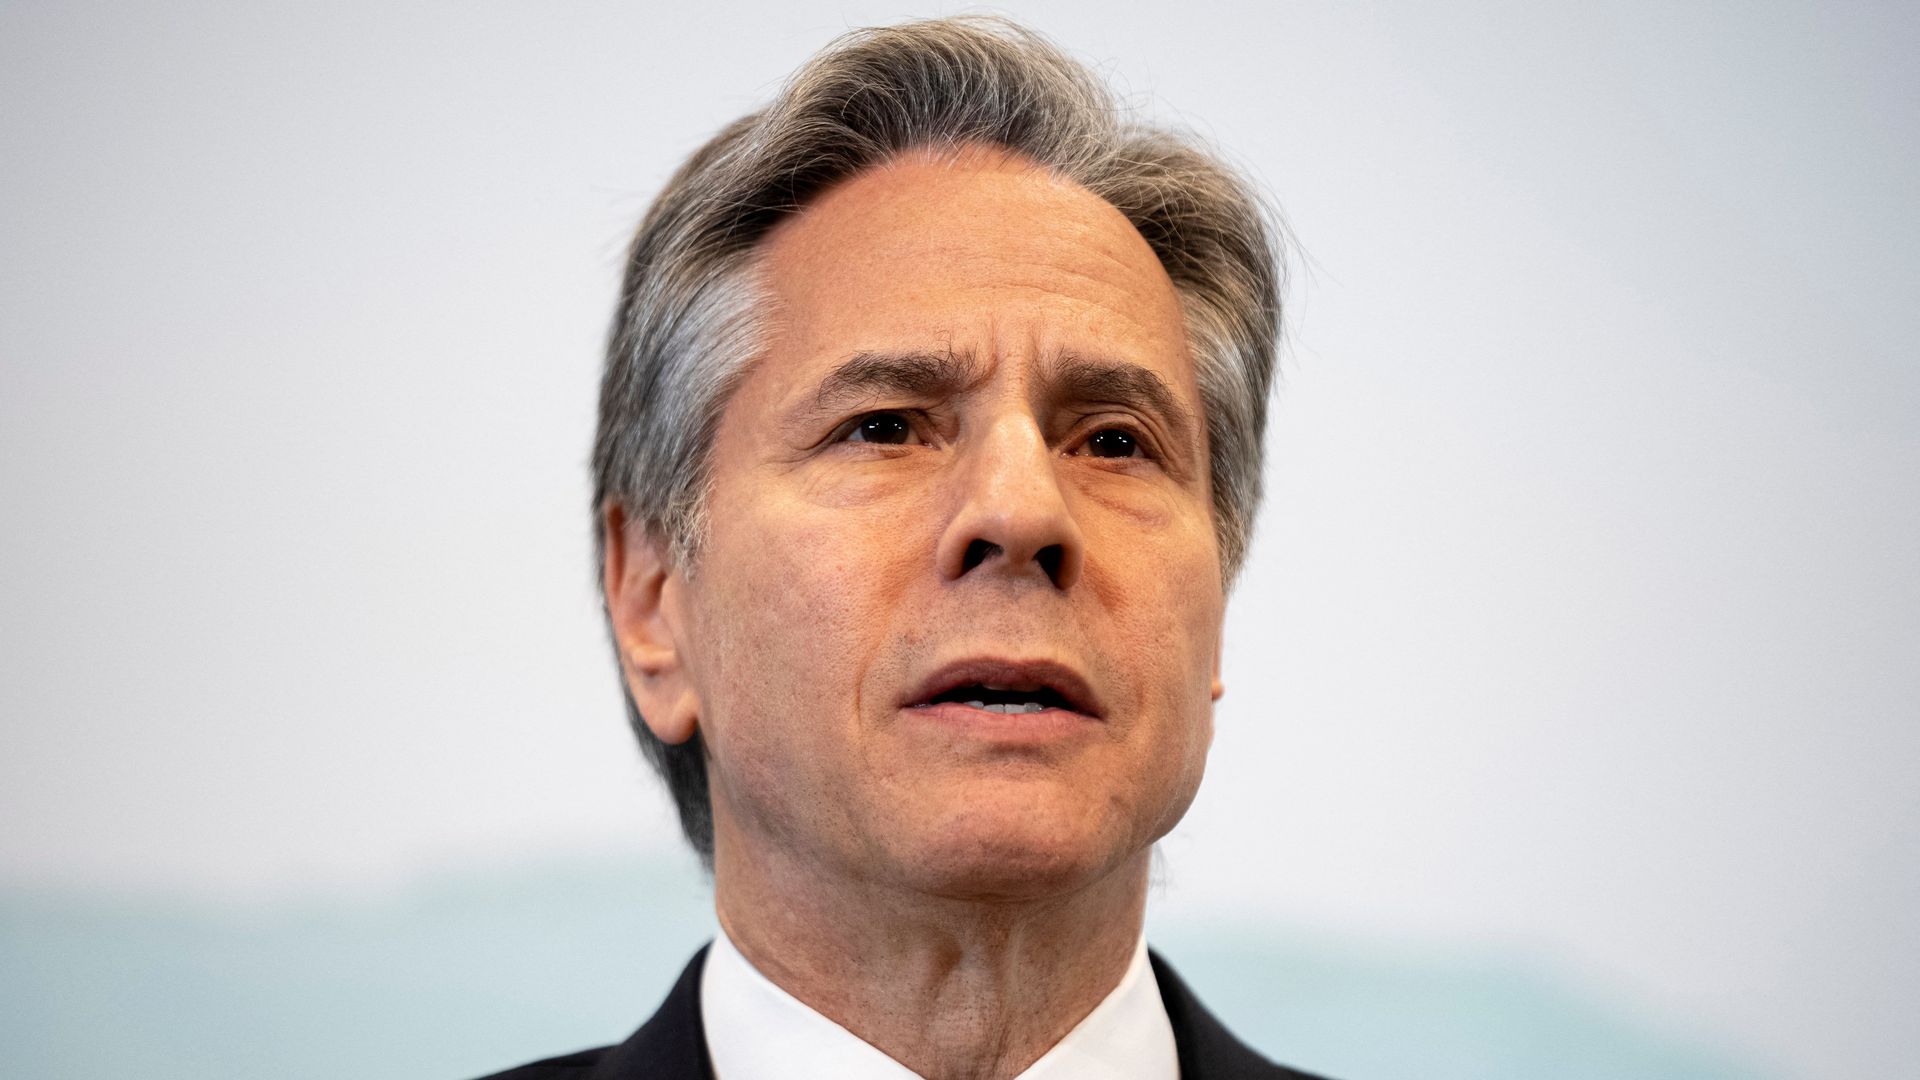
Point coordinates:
[(950, 987)]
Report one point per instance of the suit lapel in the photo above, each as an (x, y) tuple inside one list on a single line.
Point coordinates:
[(1206, 1049), (670, 1046)]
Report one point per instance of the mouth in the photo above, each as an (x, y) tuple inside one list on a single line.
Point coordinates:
[(1008, 688)]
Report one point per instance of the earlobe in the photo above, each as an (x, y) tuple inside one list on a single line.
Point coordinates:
[(641, 595), (1219, 688), (675, 723)]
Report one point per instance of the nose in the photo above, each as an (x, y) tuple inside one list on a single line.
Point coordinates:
[(1012, 516)]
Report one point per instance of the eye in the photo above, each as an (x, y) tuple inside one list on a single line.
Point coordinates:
[(884, 427), (1114, 443)]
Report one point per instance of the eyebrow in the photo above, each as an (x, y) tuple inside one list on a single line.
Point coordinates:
[(917, 375), (1071, 378), (1067, 378)]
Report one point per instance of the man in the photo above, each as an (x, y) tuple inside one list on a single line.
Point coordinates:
[(929, 443)]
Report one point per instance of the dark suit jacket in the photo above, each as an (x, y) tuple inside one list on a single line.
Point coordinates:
[(673, 1045)]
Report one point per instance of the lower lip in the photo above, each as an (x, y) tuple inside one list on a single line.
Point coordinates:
[(1044, 726)]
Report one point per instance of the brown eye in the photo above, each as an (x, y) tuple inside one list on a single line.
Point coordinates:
[(891, 428), (1112, 443)]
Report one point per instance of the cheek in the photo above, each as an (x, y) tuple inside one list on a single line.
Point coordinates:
[(800, 602), (1160, 595), (1161, 587)]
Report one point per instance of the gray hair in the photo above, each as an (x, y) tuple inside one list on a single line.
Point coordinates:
[(686, 329)]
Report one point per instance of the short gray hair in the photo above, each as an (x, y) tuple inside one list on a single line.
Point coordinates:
[(686, 331)]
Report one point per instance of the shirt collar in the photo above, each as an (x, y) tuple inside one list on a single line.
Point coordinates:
[(757, 1031)]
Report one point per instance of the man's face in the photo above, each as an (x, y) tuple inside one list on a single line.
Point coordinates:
[(971, 467)]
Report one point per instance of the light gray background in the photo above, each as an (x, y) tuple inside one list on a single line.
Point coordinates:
[(1579, 651)]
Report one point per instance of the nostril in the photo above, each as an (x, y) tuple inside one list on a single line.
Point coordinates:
[(978, 552), (1050, 558)]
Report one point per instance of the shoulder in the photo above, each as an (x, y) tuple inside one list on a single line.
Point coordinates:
[(673, 1045), (1208, 1051), (566, 1067), (670, 1046)]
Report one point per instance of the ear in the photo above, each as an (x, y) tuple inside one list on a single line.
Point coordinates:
[(644, 607), (1219, 647)]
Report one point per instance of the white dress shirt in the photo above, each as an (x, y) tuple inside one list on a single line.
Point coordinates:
[(757, 1031)]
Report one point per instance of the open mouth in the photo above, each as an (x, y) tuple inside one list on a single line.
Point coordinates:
[(998, 700), (1009, 688)]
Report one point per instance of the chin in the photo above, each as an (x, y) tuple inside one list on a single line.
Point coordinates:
[(982, 856)]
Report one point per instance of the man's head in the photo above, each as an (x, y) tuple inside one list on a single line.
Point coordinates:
[(935, 382)]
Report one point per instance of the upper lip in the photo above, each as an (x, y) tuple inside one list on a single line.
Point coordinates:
[(1011, 675)]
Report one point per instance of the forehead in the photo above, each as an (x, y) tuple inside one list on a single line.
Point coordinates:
[(975, 250)]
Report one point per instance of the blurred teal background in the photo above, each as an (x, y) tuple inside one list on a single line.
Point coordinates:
[(478, 972)]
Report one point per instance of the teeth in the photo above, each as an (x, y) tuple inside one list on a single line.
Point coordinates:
[(1008, 709)]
